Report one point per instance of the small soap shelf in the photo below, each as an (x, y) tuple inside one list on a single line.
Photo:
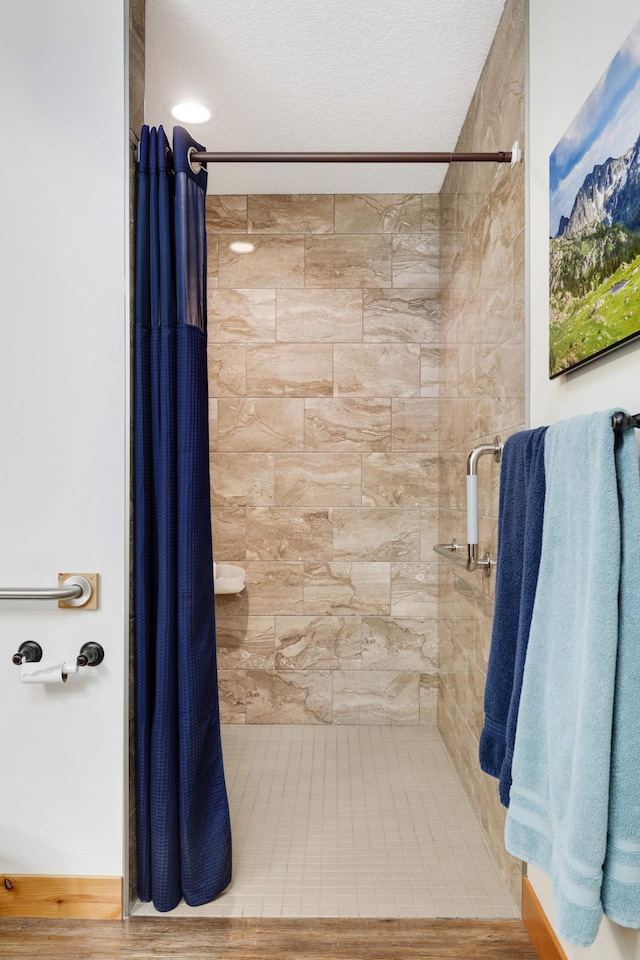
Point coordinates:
[(228, 578)]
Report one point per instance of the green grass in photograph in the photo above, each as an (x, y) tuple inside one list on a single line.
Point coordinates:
[(583, 325)]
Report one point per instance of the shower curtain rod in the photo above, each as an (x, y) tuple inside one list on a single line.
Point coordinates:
[(203, 157)]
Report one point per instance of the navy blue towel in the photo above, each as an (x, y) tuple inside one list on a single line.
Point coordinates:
[(521, 511)]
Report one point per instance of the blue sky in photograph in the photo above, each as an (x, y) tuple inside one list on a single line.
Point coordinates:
[(607, 124)]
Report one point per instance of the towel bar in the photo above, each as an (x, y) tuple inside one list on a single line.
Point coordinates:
[(474, 560), (622, 421)]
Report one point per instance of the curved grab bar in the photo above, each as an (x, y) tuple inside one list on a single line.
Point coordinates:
[(474, 560), (495, 449)]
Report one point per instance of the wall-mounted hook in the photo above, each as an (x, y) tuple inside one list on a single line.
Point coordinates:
[(28, 652)]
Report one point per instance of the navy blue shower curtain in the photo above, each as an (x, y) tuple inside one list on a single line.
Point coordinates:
[(183, 829)]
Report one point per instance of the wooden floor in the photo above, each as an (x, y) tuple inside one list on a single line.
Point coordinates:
[(153, 938)]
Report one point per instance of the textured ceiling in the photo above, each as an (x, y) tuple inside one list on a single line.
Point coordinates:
[(320, 75)]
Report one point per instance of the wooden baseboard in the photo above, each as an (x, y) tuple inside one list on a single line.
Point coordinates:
[(71, 898), (542, 934)]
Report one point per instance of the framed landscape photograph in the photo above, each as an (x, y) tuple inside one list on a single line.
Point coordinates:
[(594, 220)]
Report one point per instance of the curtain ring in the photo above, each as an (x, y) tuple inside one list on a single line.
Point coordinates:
[(192, 166)]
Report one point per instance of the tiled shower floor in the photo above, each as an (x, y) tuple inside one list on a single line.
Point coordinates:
[(350, 821)]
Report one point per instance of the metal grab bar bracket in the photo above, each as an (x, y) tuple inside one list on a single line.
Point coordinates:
[(473, 562), (88, 599), (75, 590)]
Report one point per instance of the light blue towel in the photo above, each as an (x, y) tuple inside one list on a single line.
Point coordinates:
[(621, 882), (562, 766)]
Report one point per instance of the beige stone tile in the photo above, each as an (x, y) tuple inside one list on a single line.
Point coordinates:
[(318, 643), (374, 533), (274, 262), (469, 768), (518, 318), (416, 260), (213, 250), (458, 598), (400, 643), (405, 479), (375, 369), (347, 424), (452, 494), (448, 425), (498, 373), (285, 533), (401, 314), (496, 310), (229, 530), (415, 424), (496, 265), (507, 204), (430, 372), (448, 203), (271, 588), (475, 698), (245, 643), (313, 315), (429, 687), (448, 724), (136, 82), (238, 479), (378, 213), (430, 213), (232, 692), (318, 479), (429, 534), (290, 369), (227, 369), (465, 212), (260, 425), (289, 697), (486, 417), (483, 624), (213, 424), (376, 697), (226, 214), (349, 260), (459, 666), (346, 588), (445, 652), (240, 315), (137, 19), (414, 589), (291, 213), (470, 321)]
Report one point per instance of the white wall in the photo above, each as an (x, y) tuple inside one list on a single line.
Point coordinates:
[(63, 492), (570, 46)]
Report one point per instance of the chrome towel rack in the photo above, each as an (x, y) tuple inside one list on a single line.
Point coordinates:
[(474, 561)]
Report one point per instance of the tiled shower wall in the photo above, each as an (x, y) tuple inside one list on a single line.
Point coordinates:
[(482, 392), (323, 379)]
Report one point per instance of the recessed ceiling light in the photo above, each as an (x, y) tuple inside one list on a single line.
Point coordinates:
[(241, 246), (190, 112)]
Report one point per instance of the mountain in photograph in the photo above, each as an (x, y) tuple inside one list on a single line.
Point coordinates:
[(609, 195), (594, 264)]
